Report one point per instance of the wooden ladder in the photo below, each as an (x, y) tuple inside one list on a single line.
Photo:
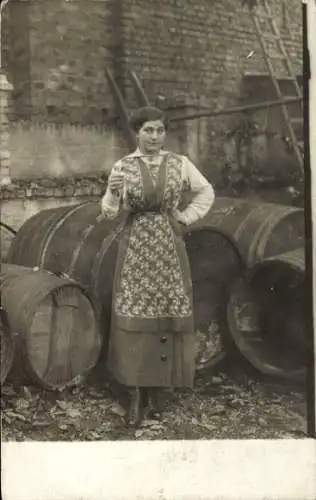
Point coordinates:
[(292, 123)]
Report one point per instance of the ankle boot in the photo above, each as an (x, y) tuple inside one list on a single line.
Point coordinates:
[(135, 411), (155, 403)]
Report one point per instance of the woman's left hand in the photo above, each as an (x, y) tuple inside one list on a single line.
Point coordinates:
[(179, 225)]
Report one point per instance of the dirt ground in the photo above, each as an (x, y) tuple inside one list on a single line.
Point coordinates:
[(219, 407)]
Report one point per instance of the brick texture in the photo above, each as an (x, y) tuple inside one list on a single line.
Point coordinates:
[(65, 51), (39, 151), (200, 50), (183, 51)]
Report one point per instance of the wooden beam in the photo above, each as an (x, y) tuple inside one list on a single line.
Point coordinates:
[(123, 112), (237, 109), (140, 92)]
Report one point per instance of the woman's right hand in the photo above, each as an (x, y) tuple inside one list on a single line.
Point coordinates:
[(116, 181)]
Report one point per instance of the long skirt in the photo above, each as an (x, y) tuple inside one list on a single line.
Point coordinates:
[(152, 341)]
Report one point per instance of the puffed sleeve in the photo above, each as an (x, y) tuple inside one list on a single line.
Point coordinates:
[(203, 194), (112, 200)]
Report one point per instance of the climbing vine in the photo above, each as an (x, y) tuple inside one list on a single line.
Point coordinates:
[(243, 136)]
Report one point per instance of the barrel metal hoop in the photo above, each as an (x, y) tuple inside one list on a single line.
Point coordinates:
[(294, 260), (107, 242), (46, 234), (59, 224), (19, 244), (8, 228), (78, 248), (242, 229), (272, 222), (255, 242), (258, 244), (243, 226)]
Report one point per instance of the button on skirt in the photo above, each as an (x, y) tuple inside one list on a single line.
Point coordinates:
[(147, 359)]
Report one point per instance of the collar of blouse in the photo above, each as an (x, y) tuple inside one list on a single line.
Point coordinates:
[(150, 159)]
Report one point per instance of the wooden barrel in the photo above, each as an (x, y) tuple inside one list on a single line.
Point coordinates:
[(268, 316), (215, 263), (260, 230), (56, 322), (7, 234), (70, 240), (7, 345)]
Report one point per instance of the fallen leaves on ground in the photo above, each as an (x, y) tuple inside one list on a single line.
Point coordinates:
[(218, 408)]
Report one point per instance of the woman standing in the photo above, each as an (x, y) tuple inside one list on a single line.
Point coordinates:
[(152, 341)]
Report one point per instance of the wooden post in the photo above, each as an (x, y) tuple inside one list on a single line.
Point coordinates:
[(5, 89)]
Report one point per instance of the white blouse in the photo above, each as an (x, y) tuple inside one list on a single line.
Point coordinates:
[(203, 191)]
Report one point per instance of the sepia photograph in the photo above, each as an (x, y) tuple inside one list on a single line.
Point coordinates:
[(156, 272)]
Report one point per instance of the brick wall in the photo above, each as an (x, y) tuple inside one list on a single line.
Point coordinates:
[(186, 53), (68, 46), (49, 150), (177, 47), (16, 55), (200, 49)]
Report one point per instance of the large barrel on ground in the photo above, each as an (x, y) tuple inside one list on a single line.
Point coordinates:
[(259, 229), (268, 316), (70, 240), (215, 263), (57, 325), (7, 345)]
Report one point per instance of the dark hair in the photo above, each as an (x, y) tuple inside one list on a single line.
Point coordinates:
[(145, 114)]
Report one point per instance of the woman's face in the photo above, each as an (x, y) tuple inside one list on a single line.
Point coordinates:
[(151, 137)]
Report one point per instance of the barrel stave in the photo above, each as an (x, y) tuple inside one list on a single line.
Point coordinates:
[(7, 345), (260, 229), (268, 316), (27, 248), (56, 319), (63, 237), (215, 263)]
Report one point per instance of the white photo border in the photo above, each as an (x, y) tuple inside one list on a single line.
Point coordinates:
[(186, 470)]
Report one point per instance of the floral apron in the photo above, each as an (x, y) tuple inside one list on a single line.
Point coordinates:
[(152, 340)]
